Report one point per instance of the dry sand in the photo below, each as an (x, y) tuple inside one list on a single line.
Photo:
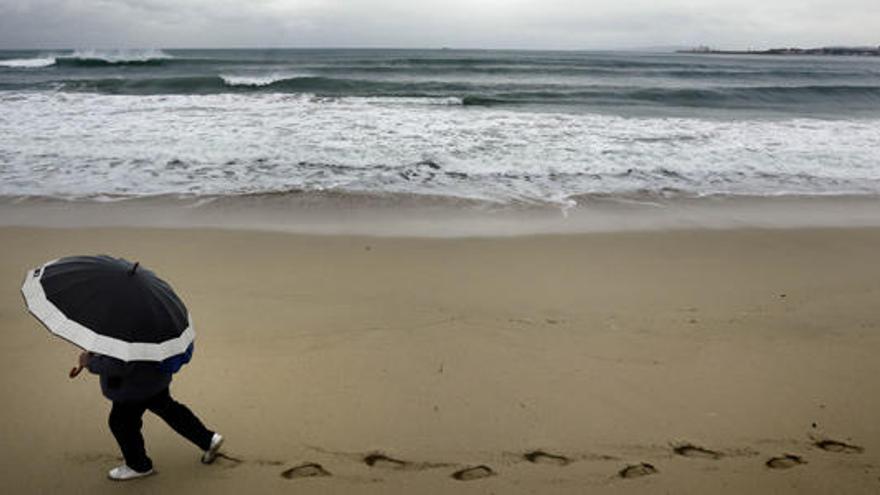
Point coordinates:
[(608, 349)]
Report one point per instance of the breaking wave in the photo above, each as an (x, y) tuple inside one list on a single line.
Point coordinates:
[(257, 81), (88, 58), (28, 63), (91, 58)]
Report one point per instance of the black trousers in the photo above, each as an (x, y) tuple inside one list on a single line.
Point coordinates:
[(125, 423)]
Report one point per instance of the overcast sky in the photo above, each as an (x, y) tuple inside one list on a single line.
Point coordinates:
[(539, 24)]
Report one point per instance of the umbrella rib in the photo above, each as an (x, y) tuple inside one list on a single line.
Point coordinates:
[(164, 301), (169, 294)]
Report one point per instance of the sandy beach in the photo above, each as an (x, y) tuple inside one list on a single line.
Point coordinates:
[(703, 354)]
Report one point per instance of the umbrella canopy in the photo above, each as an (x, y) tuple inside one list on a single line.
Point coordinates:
[(109, 306)]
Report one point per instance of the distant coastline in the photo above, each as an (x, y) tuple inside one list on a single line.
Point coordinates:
[(839, 51)]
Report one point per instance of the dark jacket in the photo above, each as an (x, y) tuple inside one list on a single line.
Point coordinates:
[(128, 381)]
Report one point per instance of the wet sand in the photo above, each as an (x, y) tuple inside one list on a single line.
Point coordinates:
[(703, 361)]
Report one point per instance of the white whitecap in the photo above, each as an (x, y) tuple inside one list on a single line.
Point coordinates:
[(28, 63), (255, 81)]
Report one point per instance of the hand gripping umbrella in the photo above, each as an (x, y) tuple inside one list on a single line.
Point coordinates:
[(113, 307)]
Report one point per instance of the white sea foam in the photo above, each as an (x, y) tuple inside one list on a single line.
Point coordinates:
[(386, 101), (256, 81), (83, 144), (401, 100), (28, 63)]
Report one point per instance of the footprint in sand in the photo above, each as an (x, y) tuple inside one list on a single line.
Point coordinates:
[(637, 471), (689, 450), (541, 457), (379, 460), (227, 461), (473, 473), (786, 461), (307, 470), (839, 447)]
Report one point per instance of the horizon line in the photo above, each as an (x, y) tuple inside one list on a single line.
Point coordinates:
[(657, 48)]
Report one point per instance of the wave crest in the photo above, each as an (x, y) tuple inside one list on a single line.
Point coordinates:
[(28, 63), (257, 81), (114, 57)]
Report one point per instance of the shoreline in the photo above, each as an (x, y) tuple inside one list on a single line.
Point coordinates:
[(333, 213)]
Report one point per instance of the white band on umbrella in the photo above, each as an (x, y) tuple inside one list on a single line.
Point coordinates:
[(59, 324)]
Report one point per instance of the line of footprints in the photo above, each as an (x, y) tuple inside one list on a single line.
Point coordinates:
[(379, 460), (785, 461)]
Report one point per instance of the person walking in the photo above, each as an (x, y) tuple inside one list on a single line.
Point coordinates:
[(133, 388), (136, 333)]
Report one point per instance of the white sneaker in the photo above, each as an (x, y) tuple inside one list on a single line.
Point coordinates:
[(211, 454), (125, 473)]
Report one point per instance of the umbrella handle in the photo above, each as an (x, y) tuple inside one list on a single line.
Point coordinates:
[(75, 371)]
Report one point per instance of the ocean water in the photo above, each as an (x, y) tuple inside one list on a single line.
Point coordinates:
[(507, 127)]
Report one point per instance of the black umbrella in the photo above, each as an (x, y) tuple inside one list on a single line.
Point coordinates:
[(110, 306)]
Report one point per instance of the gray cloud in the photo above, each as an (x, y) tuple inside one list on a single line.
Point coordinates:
[(430, 23)]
